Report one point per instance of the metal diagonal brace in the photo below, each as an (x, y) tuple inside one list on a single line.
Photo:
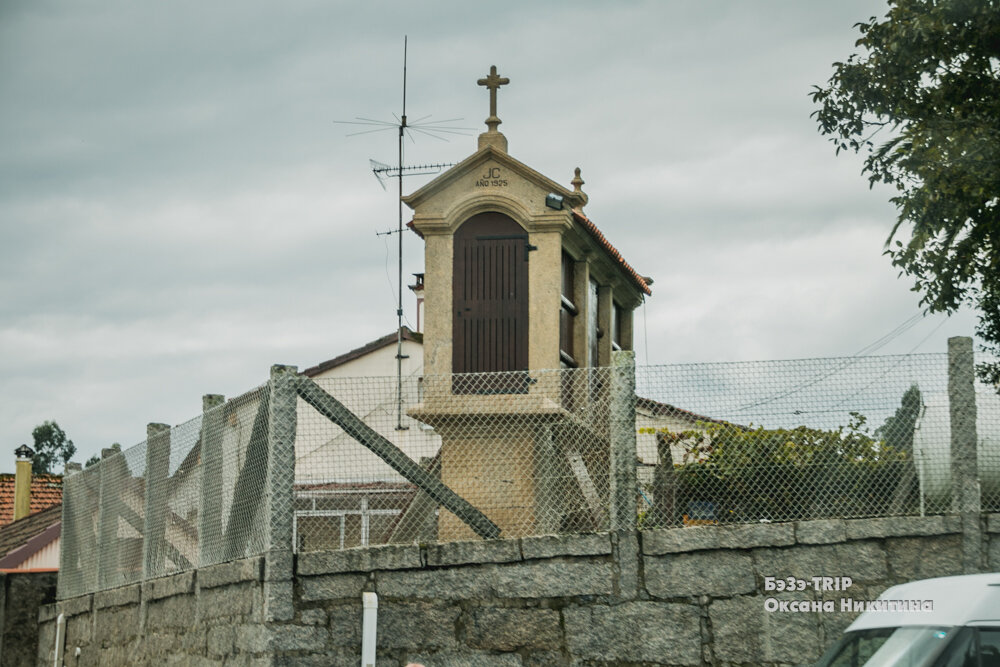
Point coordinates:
[(132, 518), (335, 411)]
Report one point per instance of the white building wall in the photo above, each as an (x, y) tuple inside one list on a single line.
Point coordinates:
[(45, 559), (367, 387)]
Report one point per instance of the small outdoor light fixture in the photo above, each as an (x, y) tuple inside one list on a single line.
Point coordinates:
[(552, 200)]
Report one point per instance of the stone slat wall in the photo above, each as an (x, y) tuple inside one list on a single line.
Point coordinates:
[(690, 596)]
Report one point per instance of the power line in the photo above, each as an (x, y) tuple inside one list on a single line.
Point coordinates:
[(850, 361)]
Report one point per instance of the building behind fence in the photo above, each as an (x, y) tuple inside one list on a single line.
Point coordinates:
[(309, 464)]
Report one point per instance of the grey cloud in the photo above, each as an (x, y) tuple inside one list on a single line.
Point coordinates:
[(178, 209)]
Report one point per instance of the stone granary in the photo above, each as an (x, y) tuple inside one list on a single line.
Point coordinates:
[(518, 280)]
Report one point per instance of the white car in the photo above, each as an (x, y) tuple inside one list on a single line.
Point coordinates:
[(943, 622)]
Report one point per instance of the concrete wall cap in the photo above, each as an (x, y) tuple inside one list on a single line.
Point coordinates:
[(479, 551), (118, 597), (75, 606), (222, 574), (362, 559), (549, 546), (163, 587), (898, 526), (756, 535), (48, 612), (820, 531), (675, 540)]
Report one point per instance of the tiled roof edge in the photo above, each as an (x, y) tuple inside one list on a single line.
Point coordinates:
[(32, 546), (592, 229), (356, 353), (658, 408)]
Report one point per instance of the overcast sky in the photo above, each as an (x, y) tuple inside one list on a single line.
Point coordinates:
[(179, 210)]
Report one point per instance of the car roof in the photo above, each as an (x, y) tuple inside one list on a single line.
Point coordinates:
[(961, 600)]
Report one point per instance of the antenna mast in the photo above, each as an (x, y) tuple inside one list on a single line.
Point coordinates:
[(433, 129), (399, 231)]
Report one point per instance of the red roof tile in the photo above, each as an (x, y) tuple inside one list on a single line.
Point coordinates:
[(592, 229), (46, 491)]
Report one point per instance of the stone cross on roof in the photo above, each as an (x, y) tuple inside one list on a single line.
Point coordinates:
[(493, 83)]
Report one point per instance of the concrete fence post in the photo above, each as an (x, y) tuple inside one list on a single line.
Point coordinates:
[(155, 515), (210, 503), (112, 473), (964, 455), (280, 490), (622, 437), (72, 576)]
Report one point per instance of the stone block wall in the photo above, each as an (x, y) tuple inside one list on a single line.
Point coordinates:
[(691, 596), (211, 616), (21, 595)]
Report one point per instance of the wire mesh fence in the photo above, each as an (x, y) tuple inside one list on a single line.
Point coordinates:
[(530, 451), (777, 441), (379, 460), (804, 439), (188, 496)]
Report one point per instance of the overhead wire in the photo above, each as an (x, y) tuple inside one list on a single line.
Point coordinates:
[(892, 367), (850, 361)]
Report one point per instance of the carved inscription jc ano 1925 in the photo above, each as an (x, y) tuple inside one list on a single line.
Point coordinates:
[(491, 178)]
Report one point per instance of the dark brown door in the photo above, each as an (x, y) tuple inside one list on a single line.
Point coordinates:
[(490, 331)]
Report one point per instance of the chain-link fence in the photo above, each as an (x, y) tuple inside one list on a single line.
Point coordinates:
[(442, 458), (777, 441), (806, 439), (187, 496), (531, 451)]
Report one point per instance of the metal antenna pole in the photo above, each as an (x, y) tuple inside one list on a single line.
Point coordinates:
[(399, 302), (433, 129)]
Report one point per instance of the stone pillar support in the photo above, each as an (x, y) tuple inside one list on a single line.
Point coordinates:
[(964, 455), (627, 341), (581, 283), (605, 306), (210, 507), (549, 508), (155, 515), (278, 585), (112, 464), (623, 448)]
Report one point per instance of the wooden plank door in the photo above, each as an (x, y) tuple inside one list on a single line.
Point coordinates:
[(490, 298)]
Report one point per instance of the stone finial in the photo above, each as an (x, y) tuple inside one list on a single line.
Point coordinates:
[(577, 183)]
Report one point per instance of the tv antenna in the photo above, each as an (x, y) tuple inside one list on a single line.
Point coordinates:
[(435, 129), (383, 171)]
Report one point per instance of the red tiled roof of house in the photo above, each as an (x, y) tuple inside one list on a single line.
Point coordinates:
[(46, 491), (592, 229)]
